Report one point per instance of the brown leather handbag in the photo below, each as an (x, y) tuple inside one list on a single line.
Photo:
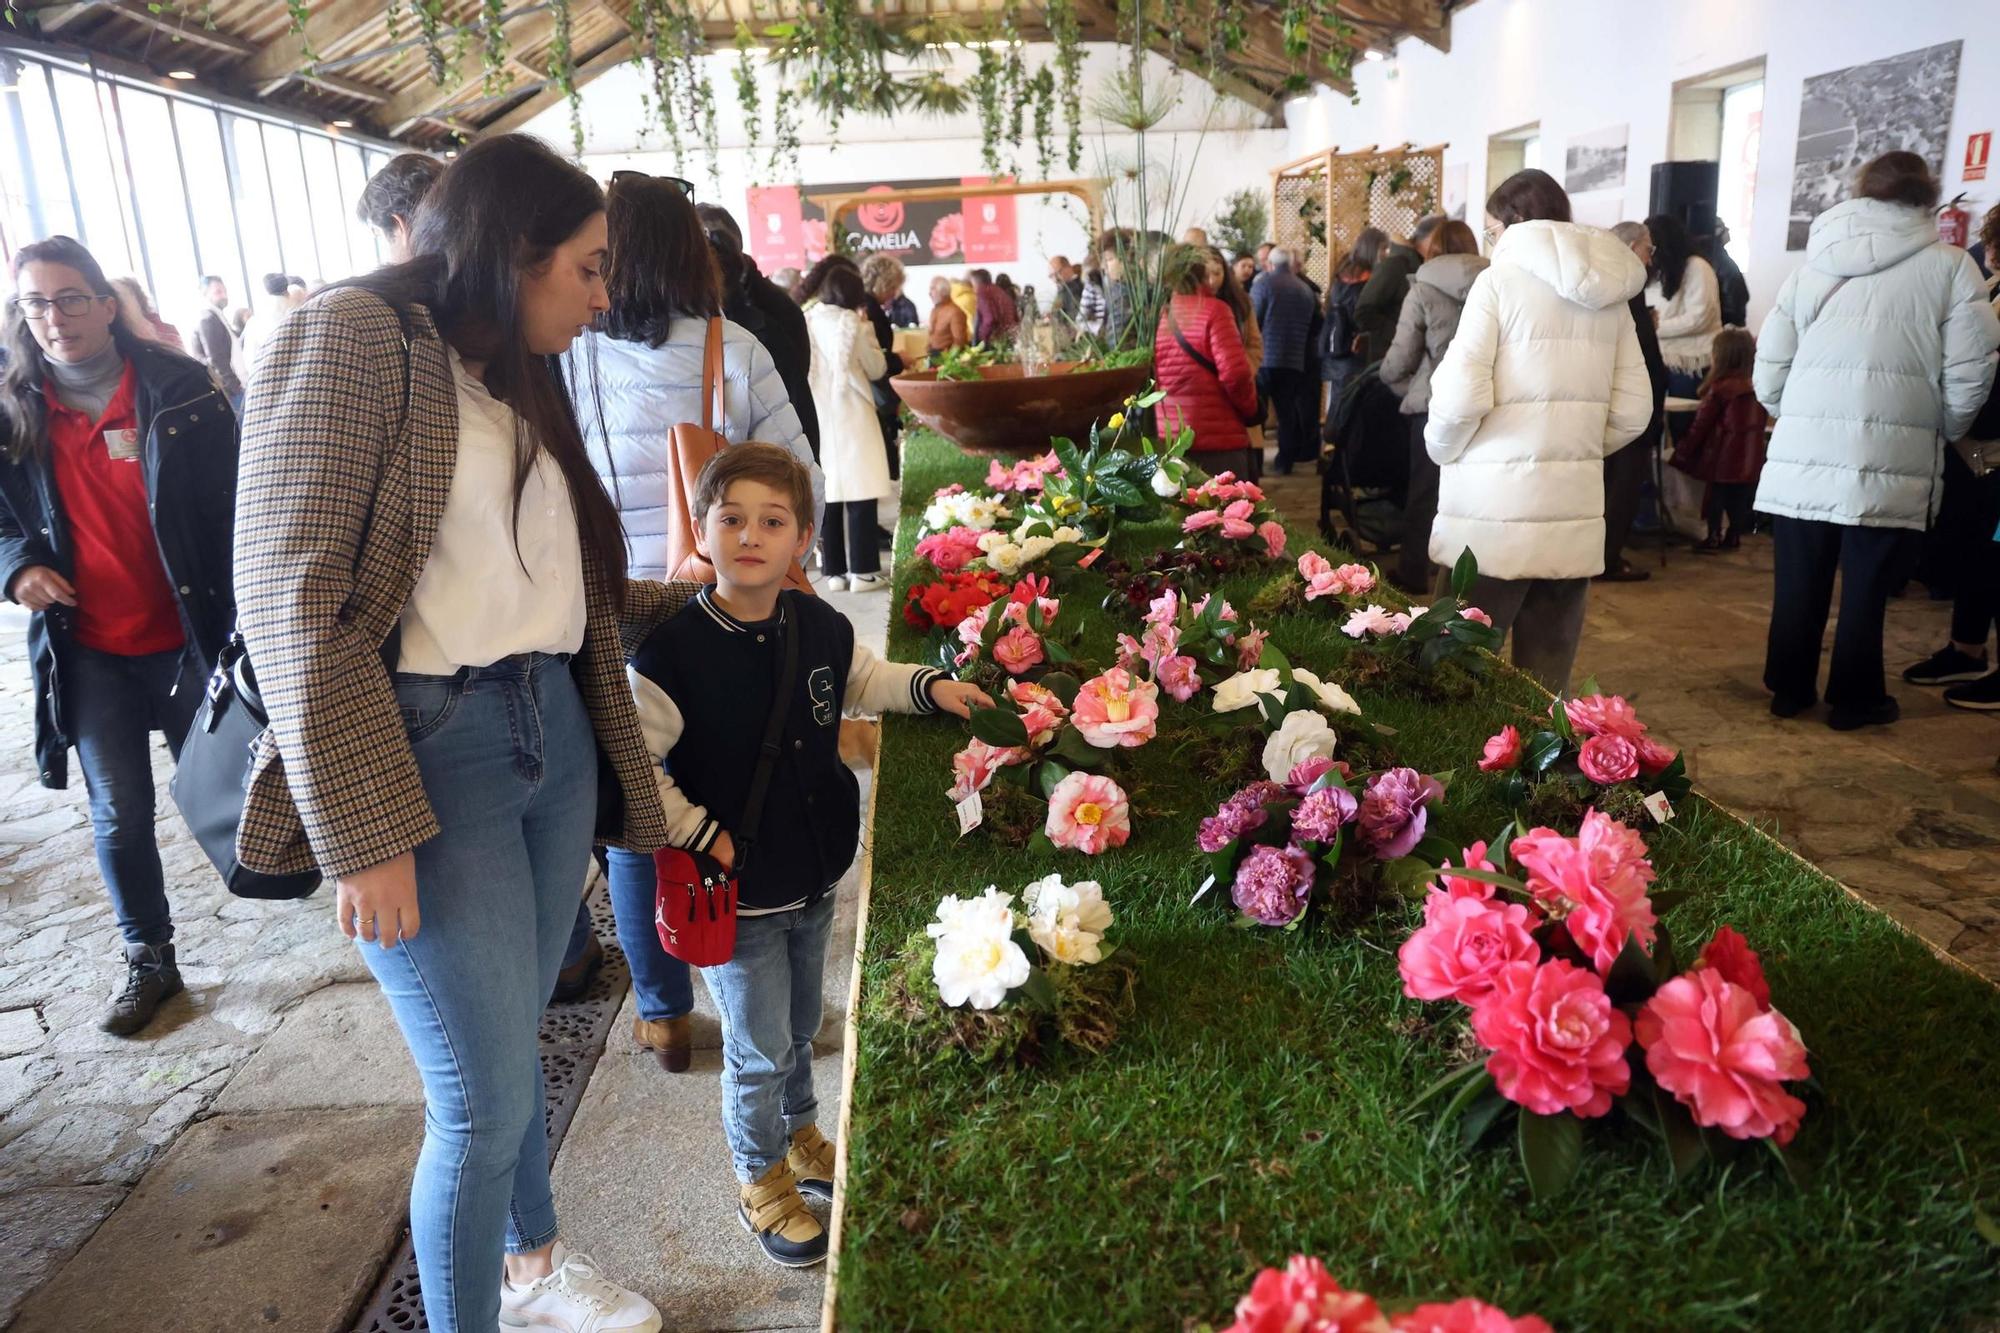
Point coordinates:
[(689, 447)]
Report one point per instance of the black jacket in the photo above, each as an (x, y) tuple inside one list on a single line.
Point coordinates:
[(769, 312), (1656, 369), (1381, 302), (189, 455)]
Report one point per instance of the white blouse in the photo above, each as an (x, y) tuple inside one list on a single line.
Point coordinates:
[(490, 589)]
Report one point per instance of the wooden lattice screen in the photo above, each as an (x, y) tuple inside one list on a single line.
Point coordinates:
[(1319, 204)]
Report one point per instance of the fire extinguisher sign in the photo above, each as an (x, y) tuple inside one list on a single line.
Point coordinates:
[(1978, 148)]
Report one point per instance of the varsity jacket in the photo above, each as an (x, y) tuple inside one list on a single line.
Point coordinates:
[(704, 681)]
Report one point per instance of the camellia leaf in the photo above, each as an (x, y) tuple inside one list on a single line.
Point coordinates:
[(1541, 751), (1447, 1083), (1047, 774), (998, 726), (1273, 658), (1463, 573), (1480, 1117), (1632, 978), (1483, 876), (1683, 1137), (1038, 990), (1063, 685), (1040, 843), (1551, 1151), (1467, 1092), (1073, 746), (1120, 491), (1056, 652)]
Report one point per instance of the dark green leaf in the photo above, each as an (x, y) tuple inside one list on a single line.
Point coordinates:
[(1039, 843), (1063, 685), (1632, 978), (1120, 491), (1464, 573), (1480, 1118), (1551, 1151), (1056, 652), (1038, 990), (1541, 751), (1665, 900), (1447, 1083), (1047, 774), (1677, 1128), (999, 726), (1467, 1091), (1797, 1169), (1273, 658), (1072, 746)]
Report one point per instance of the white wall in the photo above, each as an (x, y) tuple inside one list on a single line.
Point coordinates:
[(1209, 145), (1584, 65)]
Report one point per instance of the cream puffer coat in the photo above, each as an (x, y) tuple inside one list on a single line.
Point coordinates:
[(846, 359), (1543, 379), (1879, 349)]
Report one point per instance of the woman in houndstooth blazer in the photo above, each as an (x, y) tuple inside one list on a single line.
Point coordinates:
[(432, 583)]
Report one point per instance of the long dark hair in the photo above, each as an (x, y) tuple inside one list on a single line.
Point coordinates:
[(659, 266), (498, 212), (816, 275), (1671, 251), (1360, 258), (1229, 289), (21, 404)]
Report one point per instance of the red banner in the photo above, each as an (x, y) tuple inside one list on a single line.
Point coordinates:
[(776, 231), (786, 229), (989, 226)]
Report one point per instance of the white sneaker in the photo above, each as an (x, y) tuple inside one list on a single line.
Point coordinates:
[(838, 583), (864, 582), (576, 1298)]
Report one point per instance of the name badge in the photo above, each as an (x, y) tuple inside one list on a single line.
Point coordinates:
[(123, 444)]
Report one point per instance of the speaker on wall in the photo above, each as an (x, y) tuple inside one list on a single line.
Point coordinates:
[(1687, 192)]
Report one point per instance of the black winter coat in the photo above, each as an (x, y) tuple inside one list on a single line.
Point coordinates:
[(769, 312), (189, 455)]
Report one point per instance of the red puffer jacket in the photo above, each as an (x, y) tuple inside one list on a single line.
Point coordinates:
[(1214, 399), (1726, 442)]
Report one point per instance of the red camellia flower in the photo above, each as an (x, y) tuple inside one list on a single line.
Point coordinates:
[(1733, 958), (1302, 1297), (1466, 1316), (952, 598)]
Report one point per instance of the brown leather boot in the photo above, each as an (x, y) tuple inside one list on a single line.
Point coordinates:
[(773, 1211), (668, 1040), (811, 1160)]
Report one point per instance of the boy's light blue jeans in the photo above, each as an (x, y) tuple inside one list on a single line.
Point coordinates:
[(769, 998)]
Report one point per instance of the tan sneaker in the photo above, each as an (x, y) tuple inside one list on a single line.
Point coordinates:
[(667, 1038), (811, 1160), (773, 1211)]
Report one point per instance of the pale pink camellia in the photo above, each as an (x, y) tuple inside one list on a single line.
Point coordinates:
[(1732, 957), (1018, 650), (1503, 751), (1159, 642), (1477, 617), (1312, 564), (1369, 620), (1462, 944), (1115, 710), (1201, 519), (1178, 677), (1604, 714), (942, 491), (1088, 814), (973, 767), (1607, 758), (1164, 609), (1353, 580), (1130, 654), (1236, 516), (1042, 723), (1654, 758), (1250, 649), (1273, 534), (1595, 883), (1226, 615), (1302, 1297), (1557, 1042), (1466, 1315), (951, 550), (1025, 694), (1724, 1056)]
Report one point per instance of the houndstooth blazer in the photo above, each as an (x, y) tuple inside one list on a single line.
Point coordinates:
[(339, 498)]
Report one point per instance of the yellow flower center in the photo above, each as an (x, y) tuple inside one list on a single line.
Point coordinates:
[(1117, 708), (1091, 813)]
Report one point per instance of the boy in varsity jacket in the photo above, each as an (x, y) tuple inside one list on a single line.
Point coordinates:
[(704, 682)]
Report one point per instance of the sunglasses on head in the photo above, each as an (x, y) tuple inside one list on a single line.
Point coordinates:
[(685, 187)]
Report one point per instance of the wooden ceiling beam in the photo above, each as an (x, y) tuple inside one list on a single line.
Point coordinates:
[(331, 26), (55, 18), (610, 57), (423, 96)]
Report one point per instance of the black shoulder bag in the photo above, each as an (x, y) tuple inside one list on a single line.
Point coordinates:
[(1257, 417)]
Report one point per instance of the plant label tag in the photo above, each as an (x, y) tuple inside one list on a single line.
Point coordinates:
[(1090, 559), (1206, 885), (971, 813), (1659, 807)]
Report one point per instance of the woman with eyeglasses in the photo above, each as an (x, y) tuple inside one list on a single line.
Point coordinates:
[(117, 496)]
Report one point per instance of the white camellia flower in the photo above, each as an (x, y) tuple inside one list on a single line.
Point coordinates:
[(1063, 535), (1067, 921), (1301, 736), (1005, 558), (1331, 696), (991, 910), (1034, 548), (936, 516), (1064, 943), (978, 967), (991, 541), (1164, 486), (1092, 912), (1241, 690)]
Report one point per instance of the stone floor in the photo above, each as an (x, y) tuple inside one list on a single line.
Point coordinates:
[(251, 1153)]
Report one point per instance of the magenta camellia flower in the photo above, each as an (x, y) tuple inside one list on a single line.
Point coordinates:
[(1302, 1297), (1503, 751), (1273, 884), (1463, 942), (1731, 956), (1557, 1042), (1115, 710), (1394, 810), (1088, 814), (1179, 678), (1604, 714), (1466, 1316), (1595, 883), (1273, 534), (1607, 758), (1018, 650), (1321, 816), (1724, 1056)]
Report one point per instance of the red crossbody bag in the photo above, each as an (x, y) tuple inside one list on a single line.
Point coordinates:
[(694, 898)]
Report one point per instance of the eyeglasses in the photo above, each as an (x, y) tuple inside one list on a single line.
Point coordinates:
[(73, 305), (686, 187)]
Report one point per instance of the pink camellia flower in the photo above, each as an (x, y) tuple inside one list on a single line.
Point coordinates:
[(1312, 564), (1042, 723), (1477, 617), (950, 550), (1236, 524), (1250, 649), (1158, 643), (1503, 751), (1557, 1042), (1115, 710), (1604, 714), (1025, 694), (1459, 886), (1273, 884), (1130, 654), (1273, 534), (973, 627), (1088, 814), (1724, 1056), (973, 767), (1308, 771), (1463, 942), (1352, 580), (1466, 1316), (1178, 677), (1654, 758), (1302, 1297), (942, 491), (1018, 649), (1595, 883), (1227, 614), (1736, 962), (1200, 519), (1394, 811), (1321, 816), (1164, 609), (1369, 620), (1607, 758)]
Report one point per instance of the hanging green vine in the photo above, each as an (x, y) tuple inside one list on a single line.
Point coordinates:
[(493, 49), (299, 11), (785, 134), (430, 29), (562, 71), (747, 96), (1064, 28), (987, 88), (1044, 88)]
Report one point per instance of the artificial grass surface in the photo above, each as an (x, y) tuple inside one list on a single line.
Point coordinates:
[(1254, 1105)]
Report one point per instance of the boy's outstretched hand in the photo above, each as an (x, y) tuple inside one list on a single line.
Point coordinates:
[(957, 697)]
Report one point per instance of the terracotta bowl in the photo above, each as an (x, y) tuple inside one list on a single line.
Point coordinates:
[(1008, 414)]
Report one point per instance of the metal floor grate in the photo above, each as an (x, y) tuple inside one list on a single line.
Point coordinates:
[(573, 1037)]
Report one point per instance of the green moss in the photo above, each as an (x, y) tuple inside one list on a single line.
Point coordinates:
[(1253, 1104)]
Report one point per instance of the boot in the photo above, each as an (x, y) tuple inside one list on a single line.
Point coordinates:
[(150, 978), (773, 1211), (667, 1038), (574, 980), (811, 1160)]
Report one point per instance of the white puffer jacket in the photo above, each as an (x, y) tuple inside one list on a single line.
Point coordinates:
[(646, 392), (1543, 379), (1879, 349)]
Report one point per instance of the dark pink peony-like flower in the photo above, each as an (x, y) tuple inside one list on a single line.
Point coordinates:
[(1302, 1297), (1607, 758), (1462, 944), (1321, 815), (1394, 811), (1018, 650), (1604, 714), (1466, 1315), (1503, 751), (1736, 962), (1595, 883), (950, 550), (1557, 1042), (1272, 885), (1724, 1056)]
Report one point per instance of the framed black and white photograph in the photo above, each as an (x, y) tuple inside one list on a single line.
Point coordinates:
[(1851, 115), (1596, 161)]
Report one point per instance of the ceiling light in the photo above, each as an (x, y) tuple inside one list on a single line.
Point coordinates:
[(451, 152), (342, 124), (182, 74), (1371, 54)]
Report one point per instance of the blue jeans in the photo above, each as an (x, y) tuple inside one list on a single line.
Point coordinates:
[(509, 764), (661, 982), (113, 705), (768, 996)]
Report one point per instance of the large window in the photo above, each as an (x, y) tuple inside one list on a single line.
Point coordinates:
[(1719, 118)]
